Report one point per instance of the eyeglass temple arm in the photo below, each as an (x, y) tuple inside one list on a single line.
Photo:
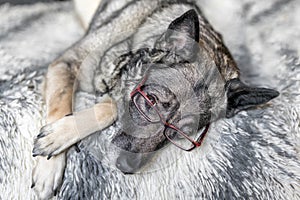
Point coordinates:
[(200, 139)]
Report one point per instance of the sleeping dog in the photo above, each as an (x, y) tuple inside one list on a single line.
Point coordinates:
[(162, 75)]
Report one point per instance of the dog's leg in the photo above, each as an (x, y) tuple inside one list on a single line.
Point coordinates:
[(47, 174), (59, 90), (56, 137)]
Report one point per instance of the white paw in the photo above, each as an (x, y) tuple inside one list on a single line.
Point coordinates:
[(47, 175), (56, 137)]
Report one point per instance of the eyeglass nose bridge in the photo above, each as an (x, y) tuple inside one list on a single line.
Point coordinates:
[(162, 120)]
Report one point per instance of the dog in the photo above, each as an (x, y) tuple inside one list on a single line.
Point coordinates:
[(163, 75)]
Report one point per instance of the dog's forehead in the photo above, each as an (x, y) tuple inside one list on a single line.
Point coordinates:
[(171, 77), (177, 75)]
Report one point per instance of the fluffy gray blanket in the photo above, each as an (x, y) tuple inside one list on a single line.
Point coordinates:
[(257, 154)]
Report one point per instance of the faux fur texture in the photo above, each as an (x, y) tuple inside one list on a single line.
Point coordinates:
[(257, 153)]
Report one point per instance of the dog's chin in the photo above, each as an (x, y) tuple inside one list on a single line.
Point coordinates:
[(130, 163), (135, 152)]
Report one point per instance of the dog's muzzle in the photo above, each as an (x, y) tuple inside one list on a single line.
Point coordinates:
[(129, 163)]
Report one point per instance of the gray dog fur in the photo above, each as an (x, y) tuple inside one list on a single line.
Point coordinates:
[(257, 154)]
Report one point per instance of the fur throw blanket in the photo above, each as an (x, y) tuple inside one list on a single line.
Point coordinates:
[(257, 153)]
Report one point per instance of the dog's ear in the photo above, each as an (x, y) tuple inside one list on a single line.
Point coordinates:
[(241, 96), (182, 36), (187, 25)]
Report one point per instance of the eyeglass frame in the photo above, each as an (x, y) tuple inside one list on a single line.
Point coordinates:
[(195, 143)]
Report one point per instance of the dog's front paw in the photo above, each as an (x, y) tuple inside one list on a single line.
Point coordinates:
[(47, 175), (56, 137)]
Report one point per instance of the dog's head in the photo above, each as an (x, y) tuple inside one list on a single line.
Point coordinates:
[(179, 93)]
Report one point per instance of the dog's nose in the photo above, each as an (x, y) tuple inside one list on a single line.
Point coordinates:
[(129, 163)]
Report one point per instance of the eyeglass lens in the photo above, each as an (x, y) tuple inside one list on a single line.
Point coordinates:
[(146, 108)]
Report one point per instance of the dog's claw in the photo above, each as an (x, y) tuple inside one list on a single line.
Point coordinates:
[(34, 151), (49, 156), (55, 192), (40, 135), (70, 114), (45, 130), (77, 148), (32, 185)]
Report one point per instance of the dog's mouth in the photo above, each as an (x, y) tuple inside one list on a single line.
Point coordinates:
[(135, 151)]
